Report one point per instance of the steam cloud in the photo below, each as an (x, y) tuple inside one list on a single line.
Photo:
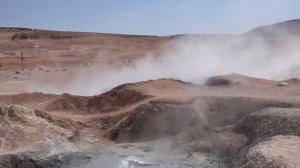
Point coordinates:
[(195, 58)]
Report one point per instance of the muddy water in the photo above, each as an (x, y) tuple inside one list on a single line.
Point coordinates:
[(133, 155), (137, 155), (139, 162), (146, 161)]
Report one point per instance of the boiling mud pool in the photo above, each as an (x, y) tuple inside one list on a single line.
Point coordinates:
[(139, 157)]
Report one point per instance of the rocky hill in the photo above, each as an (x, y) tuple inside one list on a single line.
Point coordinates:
[(225, 121), (238, 118)]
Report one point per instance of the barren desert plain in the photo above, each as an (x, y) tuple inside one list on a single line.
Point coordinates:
[(96, 100)]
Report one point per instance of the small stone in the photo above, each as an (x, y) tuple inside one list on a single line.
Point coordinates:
[(282, 84), (41, 68)]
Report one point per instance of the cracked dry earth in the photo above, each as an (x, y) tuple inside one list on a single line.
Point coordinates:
[(242, 122)]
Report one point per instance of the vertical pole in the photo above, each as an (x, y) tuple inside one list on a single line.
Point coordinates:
[(22, 61)]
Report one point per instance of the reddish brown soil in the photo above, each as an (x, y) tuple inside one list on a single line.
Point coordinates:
[(56, 57), (223, 111)]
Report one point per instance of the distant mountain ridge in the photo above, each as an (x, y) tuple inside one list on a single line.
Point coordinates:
[(289, 26)]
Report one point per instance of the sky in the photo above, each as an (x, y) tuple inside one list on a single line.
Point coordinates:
[(149, 17)]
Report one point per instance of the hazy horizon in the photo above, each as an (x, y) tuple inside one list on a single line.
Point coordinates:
[(155, 17)]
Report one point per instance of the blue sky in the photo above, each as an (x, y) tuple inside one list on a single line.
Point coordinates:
[(152, 17)]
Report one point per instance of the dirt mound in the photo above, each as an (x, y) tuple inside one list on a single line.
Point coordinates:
[(116, 98), (235, 79), (227, 111), (153, 120), (67, 103), (30, 100), (64, 122), (217, 121), (270, 122), (112, 100), (159, 118), (20, 128), (14, 114), (279, 151), (273, 134)]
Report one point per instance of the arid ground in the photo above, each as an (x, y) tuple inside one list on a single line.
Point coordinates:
[(228, 120)]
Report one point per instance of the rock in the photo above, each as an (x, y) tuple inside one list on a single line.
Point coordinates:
[(134, 163), (42, 68), (33, 160), (295, 79), (16, 161), (155, 120), (218, 81), (279, 151), (270, 122), (282, 84), (10, 113), (273, 135)]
